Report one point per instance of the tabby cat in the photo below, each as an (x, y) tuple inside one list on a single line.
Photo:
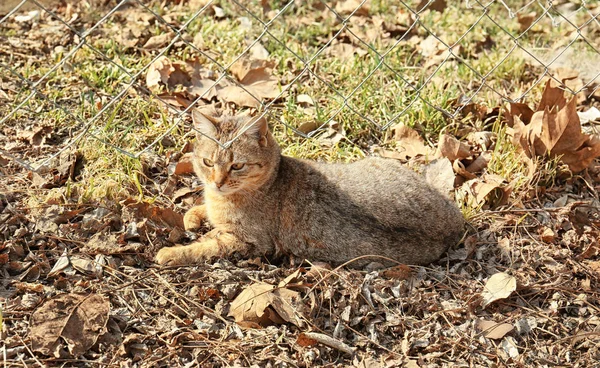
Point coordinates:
[(261, 203)]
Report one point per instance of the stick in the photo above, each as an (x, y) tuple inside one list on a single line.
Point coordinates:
[(330, 341)]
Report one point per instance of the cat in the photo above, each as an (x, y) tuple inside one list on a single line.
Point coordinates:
[(261, 203)]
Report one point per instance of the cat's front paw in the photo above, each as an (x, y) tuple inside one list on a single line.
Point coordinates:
[(171, 256), (192, 220), (189, 254)]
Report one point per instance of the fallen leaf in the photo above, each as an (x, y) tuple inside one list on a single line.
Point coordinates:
[(101, 243), (255, 76), (334, 134), (525, 21), (570, 78), (498, 286), (547, 235), (555, 130), (305, 341), (452, 148), (159, 72), (27, 17), (591, 114), (437, 5), (509, 345), (409, 143), (264, 304), (37, 136), (185, 165), (480, 163), (61, 264), (493, 330), (519, 110), (157, 214), (400, 272), (159, 41), (75, 318), (343, 51), (347, 7), (259, 52)]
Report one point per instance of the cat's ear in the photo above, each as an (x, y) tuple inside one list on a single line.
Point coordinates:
[(259, 129), (204, 124)]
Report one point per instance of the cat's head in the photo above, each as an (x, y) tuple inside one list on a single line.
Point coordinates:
[(246, 165)]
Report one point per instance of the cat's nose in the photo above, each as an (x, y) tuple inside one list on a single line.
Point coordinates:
[(219, 184)]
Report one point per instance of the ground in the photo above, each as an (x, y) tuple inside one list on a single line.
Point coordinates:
[(497, 106)]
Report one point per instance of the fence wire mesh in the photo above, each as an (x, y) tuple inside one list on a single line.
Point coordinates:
[(127, 73)]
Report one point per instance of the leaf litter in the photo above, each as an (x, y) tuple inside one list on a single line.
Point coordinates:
[(414, 316)]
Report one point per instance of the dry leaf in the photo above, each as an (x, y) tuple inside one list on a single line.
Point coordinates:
[(409, 143), (480, 163), (437, 5), (570, 78), (159, 41), (400, 272), (264, 304), (159, 71), (555, 129), (157, 214), (547, 235), (343, 51), (305, 341), (77, 319), (493, 330), (499, 286), (185, 165), (525, 21), (591, 114), (452, 148), (509, 345), (255, 76), (347, 7), (520, 110), (259, 52)]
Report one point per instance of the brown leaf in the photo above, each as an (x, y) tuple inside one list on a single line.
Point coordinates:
[(493, 330), (555, 130), (343, 51), (519, 110), (157, 214), (570, 78), (159, 41), (37, 136), (255, 76), (452, 148), (552, 97), (305, 341), (264, 304), (159, 72), (525, 21), (400, 272), (347, 7), (437, 5), (185, 165), (409, 143), (77, 319), (547, 235)]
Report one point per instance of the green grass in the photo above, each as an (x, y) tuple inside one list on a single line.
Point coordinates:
[(88, 82)]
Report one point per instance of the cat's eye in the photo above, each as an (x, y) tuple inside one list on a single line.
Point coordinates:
[(237, 166), (208, 162)]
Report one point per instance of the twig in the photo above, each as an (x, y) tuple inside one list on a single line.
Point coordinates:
[(331, 342)]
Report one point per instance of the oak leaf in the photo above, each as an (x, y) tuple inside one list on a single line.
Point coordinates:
[(75, 319)]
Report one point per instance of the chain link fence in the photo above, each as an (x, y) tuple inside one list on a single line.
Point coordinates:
[(96, 71)]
